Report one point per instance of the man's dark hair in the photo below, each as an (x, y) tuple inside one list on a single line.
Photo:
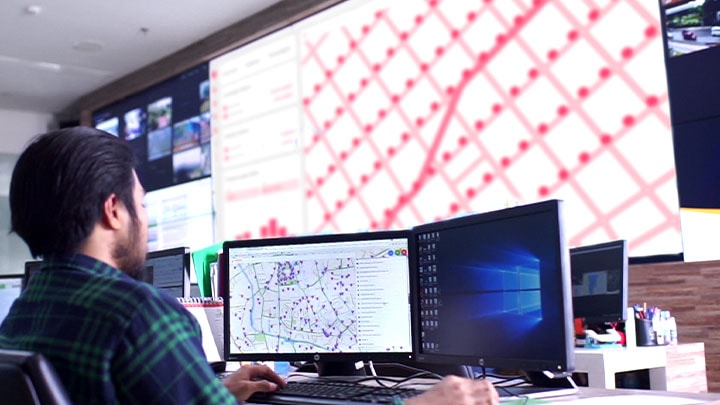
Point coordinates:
[(60, 183)]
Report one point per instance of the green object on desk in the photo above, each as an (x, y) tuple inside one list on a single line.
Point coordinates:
[(202, 259)]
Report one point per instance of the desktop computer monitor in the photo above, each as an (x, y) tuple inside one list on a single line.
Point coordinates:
[(329, 299), (10, 288), (493, 290), (600, 282), (169, 270)]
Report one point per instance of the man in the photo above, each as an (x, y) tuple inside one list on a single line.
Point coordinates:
[(76, 201)]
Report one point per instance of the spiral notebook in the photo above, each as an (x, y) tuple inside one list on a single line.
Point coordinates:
[(209, 314)]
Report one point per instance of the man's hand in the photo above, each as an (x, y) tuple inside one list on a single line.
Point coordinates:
[(458, 391), (250, 379)]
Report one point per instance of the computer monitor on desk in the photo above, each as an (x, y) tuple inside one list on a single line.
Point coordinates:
[(10, 288), (329, 299), (493, 290), (169, 270)]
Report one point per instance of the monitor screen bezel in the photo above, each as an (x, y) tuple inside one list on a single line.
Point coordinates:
[(176, 251), (322, 356), (492, 359), (620, 313)]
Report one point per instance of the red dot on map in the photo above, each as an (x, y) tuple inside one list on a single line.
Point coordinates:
[(419, 121), (331, 168), (450, 90), (488, 1), (395, 98), (487, 177), (563, 174), (447, 156), (401, 199), (316, 138), (409, 83), (343, 155), (368, 128), (562, 110), (439, 51), (327, 124), (339, 111), (604, 73), (505, 162), (416, 185), (479, 125), (418, 19), (390, 151), (433, 3), (651, 31), (424, 67), (594, 15), (454, 208), (471, 16), (353, 44), (496, 108), (482, 57), (514, 91), (533, 73), (377, 165), (328, 73), (552, 54), (583, 92), (572, 35), (430, 171), (364, 179), (356, 142), (543, 191), (388, 213), (403, 36), (328, 216), (523, 145), (381, 113), (319, 181), (338, 204), (605, 139), (434, 106), (340, 60), (376, 67), (466, 74), (542, 128), (462, 141), (317, 87), (374, 225), (627, 53), (390, 52), (470, 193), (378, 14), (306, 101), (584, 157), (365, 29), (351, 192), (651, 101), (500, 38), (309, 194), (519, 20), (363, 82), (628, 120), (454, 34)]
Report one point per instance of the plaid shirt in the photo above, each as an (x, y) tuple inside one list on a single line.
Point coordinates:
[(110, 338)]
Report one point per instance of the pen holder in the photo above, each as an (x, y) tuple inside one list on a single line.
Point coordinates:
[(644, 333)]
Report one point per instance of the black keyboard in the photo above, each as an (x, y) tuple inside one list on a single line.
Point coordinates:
[(332, 392)]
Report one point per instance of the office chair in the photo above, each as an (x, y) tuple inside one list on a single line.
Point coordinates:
[(29, 378)]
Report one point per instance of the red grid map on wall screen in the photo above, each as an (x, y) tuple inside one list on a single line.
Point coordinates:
[(381, 115)]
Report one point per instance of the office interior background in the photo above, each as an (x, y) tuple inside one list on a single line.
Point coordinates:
[(404, 115)]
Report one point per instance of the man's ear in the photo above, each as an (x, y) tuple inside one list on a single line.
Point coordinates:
[(112, 210)]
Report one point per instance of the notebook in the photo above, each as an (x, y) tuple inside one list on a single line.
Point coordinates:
[(209, 314)]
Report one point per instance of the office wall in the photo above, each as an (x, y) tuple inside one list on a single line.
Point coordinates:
[(691, 291), (18, 128)]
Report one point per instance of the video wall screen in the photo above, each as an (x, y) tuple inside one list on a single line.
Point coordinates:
[(382, 115), (168, 126)]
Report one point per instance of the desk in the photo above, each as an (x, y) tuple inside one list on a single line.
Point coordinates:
[(601, 365)]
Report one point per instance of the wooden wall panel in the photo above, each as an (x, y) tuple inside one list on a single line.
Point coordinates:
[(691, 291)]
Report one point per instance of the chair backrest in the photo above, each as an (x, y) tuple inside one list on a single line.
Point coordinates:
[(29, 378)]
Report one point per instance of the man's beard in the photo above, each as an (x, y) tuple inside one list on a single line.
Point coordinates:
[(129, 254)]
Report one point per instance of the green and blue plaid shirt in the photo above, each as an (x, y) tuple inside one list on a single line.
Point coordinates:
[(110, 338)]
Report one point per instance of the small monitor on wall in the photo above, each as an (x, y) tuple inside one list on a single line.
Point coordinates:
[(600, 282)]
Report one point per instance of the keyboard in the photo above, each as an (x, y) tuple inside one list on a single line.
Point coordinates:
[(332, 392)]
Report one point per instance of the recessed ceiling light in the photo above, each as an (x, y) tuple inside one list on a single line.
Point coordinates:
[(33, 9), (87, 46)]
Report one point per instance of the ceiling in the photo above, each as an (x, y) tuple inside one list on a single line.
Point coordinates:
[(52, 52)]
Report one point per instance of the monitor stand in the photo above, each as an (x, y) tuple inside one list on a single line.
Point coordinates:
[(338, 369)]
